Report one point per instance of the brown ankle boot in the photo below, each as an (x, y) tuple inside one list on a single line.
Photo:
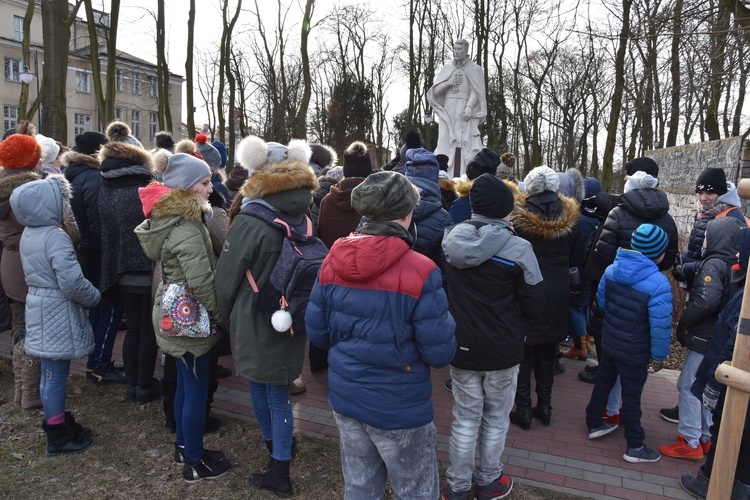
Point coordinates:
[(17, 377), (579, 350), (30, 374)]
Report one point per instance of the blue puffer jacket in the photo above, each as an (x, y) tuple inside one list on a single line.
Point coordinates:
[(637, 300), (430, 220), (380, 310)]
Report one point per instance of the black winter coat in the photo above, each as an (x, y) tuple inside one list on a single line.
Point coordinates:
[(709, 290), (550, 223), (124, 168), (82, 171), (634, 208)]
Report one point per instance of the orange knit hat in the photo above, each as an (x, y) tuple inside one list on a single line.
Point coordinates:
[(20, 151)]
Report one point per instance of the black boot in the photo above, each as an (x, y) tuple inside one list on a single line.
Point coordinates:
[(79, 432), (544, 373), (168, 387), (276, 478), (522, 416), (61, 440)]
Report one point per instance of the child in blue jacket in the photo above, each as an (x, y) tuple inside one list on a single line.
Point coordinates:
[(637, 303)]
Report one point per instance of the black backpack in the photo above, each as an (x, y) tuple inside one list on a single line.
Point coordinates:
[(283, 298)]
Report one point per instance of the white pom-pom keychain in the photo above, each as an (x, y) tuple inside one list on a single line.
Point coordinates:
[(281, 320)]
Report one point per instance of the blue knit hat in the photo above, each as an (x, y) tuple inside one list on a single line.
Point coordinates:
[(422, 164), (650, 240), (222, 149)]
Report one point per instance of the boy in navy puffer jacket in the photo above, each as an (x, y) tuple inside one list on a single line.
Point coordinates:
[(637, 303)]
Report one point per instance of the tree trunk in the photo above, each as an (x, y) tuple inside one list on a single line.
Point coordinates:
[(111, 90), (674, 69), (300, 122), (189, 70), (56, 23), (715, 85), (614, 115), (23, 113)]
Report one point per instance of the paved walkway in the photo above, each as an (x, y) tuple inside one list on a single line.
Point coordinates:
[(559, 457)]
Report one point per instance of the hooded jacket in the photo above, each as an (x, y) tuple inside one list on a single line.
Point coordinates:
[(691, 259), (261, 354), (637, 300), (177, 238), (461, 207), (336, 217), (124, 168), (549, 222), (57, 324), (708, 291), (495, 288), (82, 171), (11, 270), (381, 312), (636, 207), (430, 220)]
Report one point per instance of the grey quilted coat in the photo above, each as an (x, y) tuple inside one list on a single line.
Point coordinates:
[(57, 324)]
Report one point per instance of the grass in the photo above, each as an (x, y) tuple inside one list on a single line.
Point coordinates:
[(132, 454)]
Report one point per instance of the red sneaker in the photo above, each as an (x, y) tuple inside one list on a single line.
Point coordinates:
[(499, 488), (611, 419), (680, 449)]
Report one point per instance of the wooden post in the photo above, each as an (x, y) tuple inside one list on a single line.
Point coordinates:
[(735, 409), (457, 163)]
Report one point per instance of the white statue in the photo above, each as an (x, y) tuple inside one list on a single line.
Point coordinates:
[(459, 99)]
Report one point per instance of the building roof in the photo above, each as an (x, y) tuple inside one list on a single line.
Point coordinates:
[(85, 52)]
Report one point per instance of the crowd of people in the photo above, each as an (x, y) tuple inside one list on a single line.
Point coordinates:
[(486, 273)]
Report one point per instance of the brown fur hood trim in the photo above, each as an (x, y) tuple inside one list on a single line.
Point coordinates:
[(446, 184), (534, 225), (462, 188), (127, 151), (284, 176), (11, 182), (181, 203), (72, 157)]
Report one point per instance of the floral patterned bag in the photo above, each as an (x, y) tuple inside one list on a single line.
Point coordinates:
[(182, 314)]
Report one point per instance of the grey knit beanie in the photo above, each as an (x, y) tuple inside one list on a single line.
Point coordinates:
[(184, 171)]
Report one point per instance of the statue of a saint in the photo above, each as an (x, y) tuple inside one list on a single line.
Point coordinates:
[(459, 99)]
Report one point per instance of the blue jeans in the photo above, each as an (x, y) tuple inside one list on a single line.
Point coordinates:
[(273, 409), (632, 379), (481, 408), (695, 419), (104, 318), (613, 401), (406, 456), (190, 403), (54, 380), (578, 317)]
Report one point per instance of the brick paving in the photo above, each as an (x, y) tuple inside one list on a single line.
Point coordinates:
[(559, 457)]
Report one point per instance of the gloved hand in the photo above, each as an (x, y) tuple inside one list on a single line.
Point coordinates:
[(710, 397), (589, 202), (678, 272), (656, 365)]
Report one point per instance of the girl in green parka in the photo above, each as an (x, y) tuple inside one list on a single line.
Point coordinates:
[(177, 238)]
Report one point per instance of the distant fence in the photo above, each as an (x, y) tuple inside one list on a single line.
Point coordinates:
[(680, 166)]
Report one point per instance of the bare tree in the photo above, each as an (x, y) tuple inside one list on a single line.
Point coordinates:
[(24, 112), (104, 94), (162, 70)]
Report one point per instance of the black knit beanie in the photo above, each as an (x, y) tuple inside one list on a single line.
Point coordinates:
[(642, 164), (712, 180), (485, 162), (490, 197)]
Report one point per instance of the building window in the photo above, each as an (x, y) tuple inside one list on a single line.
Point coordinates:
[(82, 82), (135, 123), (81, 123), (153, 86), (12, 69), (119, 116), (10, 116), (118, 80), (153, 125), (18, 28), (136, 84)]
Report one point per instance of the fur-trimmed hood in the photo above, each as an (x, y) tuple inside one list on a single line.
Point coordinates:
[(181, 203), (175, 206), (281, 177), (15, 179), (462, 187), (534, 215), (122, 151), (74, 157), (43, 202)]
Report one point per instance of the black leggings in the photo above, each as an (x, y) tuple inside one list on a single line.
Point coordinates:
[(139, 346)]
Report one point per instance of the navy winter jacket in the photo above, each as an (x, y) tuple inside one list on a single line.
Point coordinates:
[(380, 310)]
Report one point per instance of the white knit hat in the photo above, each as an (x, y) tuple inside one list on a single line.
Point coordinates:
[(50, 148)]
